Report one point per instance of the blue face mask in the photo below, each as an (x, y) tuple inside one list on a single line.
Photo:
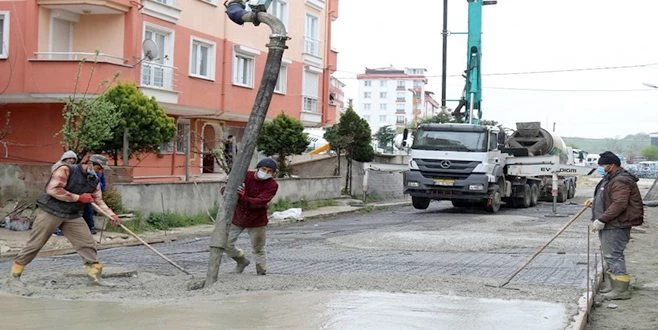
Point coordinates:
[(91, 171)]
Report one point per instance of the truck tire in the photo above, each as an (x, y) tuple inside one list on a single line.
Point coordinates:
[(492, 204), (572, 190), (526, 201), (534, 194), (420, 203)]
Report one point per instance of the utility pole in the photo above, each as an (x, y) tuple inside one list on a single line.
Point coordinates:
[(444, 59)]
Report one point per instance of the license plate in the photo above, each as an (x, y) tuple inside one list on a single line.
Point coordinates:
[(444, 182)]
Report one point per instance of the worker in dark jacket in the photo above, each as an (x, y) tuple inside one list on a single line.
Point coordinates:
[(61, 204), (250, 213), (616, 207)]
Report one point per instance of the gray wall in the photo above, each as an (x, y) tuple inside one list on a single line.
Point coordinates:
[(186, 198)]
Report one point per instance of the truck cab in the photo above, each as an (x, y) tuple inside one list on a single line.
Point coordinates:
[(457, 162)]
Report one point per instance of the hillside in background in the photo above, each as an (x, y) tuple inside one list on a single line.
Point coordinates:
[(629, 146)]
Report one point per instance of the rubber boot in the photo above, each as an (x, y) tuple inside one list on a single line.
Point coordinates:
[(242, 263), (94, 273), (17, 270), (620, 285), (261, 269), (607, 283)]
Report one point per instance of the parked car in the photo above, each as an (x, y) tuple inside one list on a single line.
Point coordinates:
[(647, 169)]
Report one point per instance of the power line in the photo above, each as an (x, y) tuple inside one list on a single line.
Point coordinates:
[(617, 67)]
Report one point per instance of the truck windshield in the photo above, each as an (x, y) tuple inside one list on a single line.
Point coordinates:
[(450, 140)]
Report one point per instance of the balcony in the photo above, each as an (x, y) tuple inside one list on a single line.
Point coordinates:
[(400, 100), (157, 80), (86, 7), (310, 114), (80, 57)]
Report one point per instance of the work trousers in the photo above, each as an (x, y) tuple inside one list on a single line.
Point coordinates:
[(613, 244), (257, 238), (75, 230)]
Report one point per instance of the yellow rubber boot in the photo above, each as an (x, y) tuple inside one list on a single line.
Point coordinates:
[(94, 272), (620, 285), (17, 270)]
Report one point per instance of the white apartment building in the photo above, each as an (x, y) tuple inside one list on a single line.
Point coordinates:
[(389, 96)]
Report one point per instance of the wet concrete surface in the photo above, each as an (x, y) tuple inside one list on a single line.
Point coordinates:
[(287, 310), (391, 269)]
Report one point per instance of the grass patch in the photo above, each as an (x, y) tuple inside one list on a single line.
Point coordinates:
[(163, 221), (285, 204)]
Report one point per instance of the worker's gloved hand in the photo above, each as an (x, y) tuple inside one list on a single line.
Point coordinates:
[(115, 221), (241, 191), (85, 198), (597, 225), (588, 202)]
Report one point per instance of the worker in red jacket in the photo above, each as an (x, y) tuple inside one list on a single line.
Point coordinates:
[(250, 213)]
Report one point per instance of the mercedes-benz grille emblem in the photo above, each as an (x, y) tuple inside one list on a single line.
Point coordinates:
[(445, 163)]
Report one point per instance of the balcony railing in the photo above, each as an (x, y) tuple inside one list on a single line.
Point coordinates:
[(79, 56), (157, 75), (310, 104), (311, 46)]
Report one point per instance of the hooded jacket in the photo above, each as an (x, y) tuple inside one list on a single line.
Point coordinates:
[(251, 210), (622, 201)]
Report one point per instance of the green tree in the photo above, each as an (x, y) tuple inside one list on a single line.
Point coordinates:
[(283, 136), (147, 124), (385, 136), (650, 152), (352, 134), (88, 121)]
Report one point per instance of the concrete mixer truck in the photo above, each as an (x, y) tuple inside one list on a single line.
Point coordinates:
[(476, 165)]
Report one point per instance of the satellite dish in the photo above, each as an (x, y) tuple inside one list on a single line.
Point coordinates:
[(150, 49)]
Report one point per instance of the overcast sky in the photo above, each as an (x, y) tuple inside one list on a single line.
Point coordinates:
[(521, 36)]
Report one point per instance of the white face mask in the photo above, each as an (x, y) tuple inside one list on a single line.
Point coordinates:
[(262, 175)]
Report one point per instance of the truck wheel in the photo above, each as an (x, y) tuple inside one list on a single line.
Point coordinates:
[(572, 190), (526, 201), (420, 203), (492, 204), (534, 194)]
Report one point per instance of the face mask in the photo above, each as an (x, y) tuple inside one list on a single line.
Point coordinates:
[(91, 171), (262, 175)]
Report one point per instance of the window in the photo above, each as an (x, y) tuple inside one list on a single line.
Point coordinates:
[(182, 136), (418, 83), (244, 65), (400, 120), (4, 34), (367, 95), (167, 2), (279, 9), (399, 107), (282, 80), (382, 83), (401, 84), (382, 95), (310, 90), (312, 36), (382, 106), (156, 72), (202, 59), (367, 83), (366, 106), (382, 118)]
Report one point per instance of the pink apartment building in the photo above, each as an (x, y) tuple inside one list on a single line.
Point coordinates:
[(206, 75)]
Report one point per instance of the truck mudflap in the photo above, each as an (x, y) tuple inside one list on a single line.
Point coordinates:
[(474, 187)]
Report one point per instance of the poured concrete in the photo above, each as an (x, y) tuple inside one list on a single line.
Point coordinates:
[(288, 310)]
